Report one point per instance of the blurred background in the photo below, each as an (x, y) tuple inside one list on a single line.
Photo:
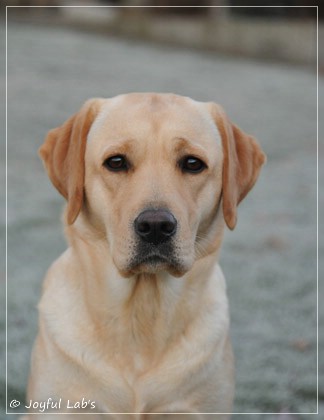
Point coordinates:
[(260, 63), (285, 32)]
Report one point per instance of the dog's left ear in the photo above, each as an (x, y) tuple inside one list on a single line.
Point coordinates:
[(63, 156), (243, 159)]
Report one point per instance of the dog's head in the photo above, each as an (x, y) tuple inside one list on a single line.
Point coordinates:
[(156, 175)]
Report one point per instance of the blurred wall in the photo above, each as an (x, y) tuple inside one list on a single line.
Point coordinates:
[(274, 33)]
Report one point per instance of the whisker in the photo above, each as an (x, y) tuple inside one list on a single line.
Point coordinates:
[(201, 245)]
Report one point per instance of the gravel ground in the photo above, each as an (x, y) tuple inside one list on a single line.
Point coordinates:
[(270, 258)]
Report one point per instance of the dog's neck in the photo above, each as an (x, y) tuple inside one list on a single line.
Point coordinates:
[(144, 312)]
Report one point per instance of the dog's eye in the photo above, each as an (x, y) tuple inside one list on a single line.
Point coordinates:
[(116, 163), (192, 164)]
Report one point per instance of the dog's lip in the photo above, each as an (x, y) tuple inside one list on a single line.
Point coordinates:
[(153, 259), (155, 263)]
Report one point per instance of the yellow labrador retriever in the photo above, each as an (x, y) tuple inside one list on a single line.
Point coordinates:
[(134, 315)]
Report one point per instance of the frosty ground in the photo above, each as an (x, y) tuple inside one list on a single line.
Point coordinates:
[(270, 258)]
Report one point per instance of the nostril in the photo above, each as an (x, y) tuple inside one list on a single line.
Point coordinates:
[(168, 227), (143, 227)]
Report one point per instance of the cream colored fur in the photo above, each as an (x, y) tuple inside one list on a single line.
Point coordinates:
[(148, 338)]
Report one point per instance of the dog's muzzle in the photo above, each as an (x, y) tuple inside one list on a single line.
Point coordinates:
[(155, 248)]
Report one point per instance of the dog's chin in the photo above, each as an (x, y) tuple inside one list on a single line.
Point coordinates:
[(153, 265)]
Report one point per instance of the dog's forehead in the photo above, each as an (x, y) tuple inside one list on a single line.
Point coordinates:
[(152, 116)]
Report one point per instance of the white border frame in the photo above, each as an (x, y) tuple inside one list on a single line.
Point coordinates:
[(6, 207)]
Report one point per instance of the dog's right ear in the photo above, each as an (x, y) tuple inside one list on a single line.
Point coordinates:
[(63, 155)]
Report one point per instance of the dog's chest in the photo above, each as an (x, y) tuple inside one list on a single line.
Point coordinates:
[(129, 360)]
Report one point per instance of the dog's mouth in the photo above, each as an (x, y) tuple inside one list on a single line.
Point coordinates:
[(154, 262)]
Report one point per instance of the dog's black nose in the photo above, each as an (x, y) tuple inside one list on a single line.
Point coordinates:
[(155, 226)]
